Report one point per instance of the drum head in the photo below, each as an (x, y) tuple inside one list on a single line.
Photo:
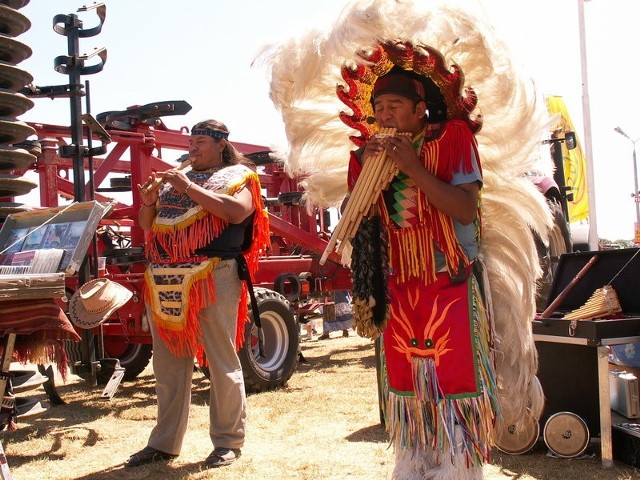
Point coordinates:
[(517, 438), (566, 434)]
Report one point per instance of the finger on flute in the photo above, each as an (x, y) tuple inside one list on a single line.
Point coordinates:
[(376, 166), (368, 168), (158, 181), (359, 199)]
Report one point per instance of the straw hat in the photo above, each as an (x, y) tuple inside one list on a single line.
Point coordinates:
[(95, 301)]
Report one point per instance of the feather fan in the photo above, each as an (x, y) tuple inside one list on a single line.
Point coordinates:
[(304, 75)]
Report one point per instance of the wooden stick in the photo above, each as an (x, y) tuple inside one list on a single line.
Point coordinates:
[(362, 189), (563, 294)]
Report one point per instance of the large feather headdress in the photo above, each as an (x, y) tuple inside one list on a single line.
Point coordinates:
[(305, 81)]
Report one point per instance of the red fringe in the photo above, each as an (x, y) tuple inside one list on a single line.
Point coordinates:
[(411, 249), (261, 243), (179, 242)]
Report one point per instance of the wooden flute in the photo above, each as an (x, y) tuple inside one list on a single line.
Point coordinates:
[(159, 181)]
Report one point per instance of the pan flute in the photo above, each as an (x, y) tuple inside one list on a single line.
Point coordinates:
[(602, 303), (376, 175)]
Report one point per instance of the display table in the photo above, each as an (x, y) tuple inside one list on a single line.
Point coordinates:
[(574, 371), (574, 354)]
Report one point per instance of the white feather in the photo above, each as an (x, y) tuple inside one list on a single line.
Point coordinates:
[(304, 75)]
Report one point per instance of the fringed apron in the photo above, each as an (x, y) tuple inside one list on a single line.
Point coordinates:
[(179, 281), (437, 335)]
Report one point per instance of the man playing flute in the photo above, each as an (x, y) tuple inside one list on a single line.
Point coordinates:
[(425, 292), (205, 230)]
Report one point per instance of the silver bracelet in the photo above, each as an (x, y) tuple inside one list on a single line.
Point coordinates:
[(187, 188)]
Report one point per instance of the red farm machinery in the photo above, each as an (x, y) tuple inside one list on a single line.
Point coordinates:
[(290, 285), (102, 159)]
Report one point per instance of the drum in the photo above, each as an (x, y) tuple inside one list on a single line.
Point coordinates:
[(517, 438), (566, 434)]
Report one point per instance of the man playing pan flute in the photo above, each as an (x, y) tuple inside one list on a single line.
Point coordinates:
[(415, 274)]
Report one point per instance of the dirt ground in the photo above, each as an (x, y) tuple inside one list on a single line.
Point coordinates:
[(324, 425)]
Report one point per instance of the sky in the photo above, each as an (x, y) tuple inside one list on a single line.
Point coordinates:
[(201, 51)]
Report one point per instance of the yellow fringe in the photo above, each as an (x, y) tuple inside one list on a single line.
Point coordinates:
[(201, 272)]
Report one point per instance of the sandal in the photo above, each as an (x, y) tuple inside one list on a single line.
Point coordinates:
[(147, 455), (324, 336), (221, 457)]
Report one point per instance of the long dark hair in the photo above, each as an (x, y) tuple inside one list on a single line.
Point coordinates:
[(230, 155)]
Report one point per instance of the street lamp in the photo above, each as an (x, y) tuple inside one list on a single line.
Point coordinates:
[(635, 176)]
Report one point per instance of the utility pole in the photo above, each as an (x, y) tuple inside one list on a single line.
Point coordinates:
[(636, 193), (586, 112)]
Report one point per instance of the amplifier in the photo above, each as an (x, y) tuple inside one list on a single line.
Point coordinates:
[(623, 389)]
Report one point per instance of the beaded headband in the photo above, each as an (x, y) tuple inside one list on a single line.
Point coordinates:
[(211, 133)]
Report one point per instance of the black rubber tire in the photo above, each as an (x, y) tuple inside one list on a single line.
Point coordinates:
[(134, 360), (280, 331), (290, 198), (549, 255)]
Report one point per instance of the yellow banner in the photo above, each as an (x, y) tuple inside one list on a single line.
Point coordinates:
[(575, 166)]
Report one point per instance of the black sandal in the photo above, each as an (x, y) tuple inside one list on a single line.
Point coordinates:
[(221, 457), (147, 455)]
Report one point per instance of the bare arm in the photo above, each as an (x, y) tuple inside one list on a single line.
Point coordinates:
[(149, 198), (231, 208)]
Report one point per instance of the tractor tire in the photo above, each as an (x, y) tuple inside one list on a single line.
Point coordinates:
[(280, 331), (288, 285), (549, 255), (134, 357)]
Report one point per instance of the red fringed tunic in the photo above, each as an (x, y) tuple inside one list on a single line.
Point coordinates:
[(179, 281), (438, 336)]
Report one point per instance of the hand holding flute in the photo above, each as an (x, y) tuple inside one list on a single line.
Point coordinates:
[(376, 174), (150, 190)]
